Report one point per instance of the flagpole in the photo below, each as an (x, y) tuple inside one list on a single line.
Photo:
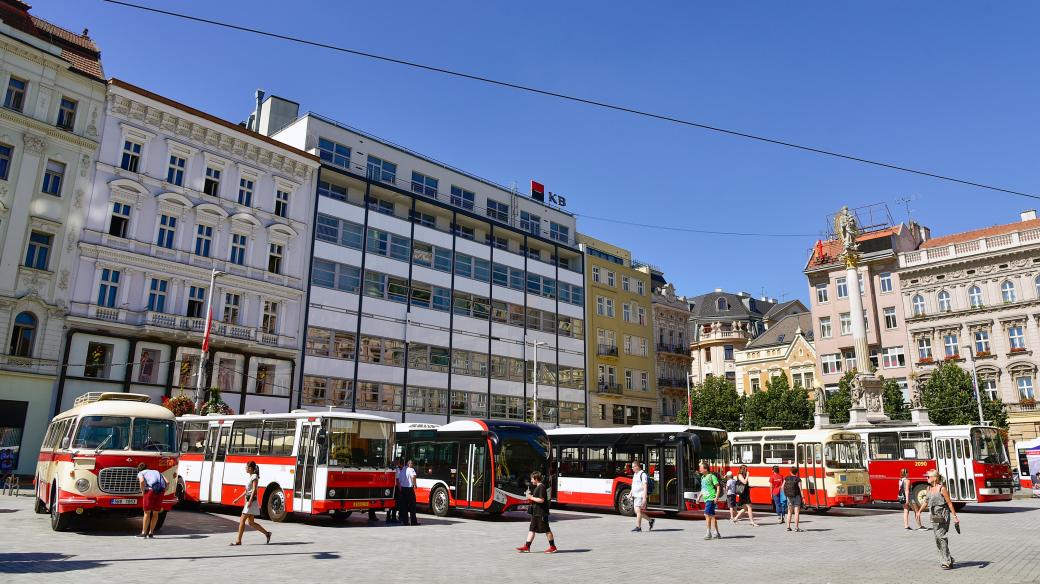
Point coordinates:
[(205, 338)]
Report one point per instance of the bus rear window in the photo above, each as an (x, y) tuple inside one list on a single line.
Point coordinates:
[(988, 446), (103, 433), (193, 437), (354, 443)]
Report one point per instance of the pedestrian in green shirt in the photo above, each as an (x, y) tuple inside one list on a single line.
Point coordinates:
[(710, 494)]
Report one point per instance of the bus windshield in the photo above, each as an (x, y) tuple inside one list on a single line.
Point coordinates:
[(846, 455), (103, 433), (516, 456), (358, 443), (988, 446), (156, 435)]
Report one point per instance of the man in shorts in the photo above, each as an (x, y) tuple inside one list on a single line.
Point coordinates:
[(710, 494), (153, 487), (538, 496), (639, 493), (793, 491)]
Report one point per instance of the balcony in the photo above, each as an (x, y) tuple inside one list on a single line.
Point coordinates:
[(609, 388), (1028, 406), (28, 365), (968, 248), (607, 350), (674, 349), (671, 382)]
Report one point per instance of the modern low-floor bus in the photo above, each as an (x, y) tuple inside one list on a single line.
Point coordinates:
[(311, 463), (830, 464), (474, 465), (593, 466), (89, 458)]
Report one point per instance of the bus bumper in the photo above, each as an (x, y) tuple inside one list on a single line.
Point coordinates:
[(129, 504), (322, 507), (849, 500)]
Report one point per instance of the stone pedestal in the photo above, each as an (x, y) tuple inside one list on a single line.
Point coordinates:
[(821, 420), (867, 404), (919, 417), (858, 418)]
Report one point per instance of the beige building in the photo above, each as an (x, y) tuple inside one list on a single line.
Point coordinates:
[(671, 316), (784, 349)]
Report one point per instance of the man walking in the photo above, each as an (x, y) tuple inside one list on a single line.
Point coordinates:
[(710, 494), (640, 490), (153, 487), (776, 482), (393, 513), (406, 479), (539, 498)]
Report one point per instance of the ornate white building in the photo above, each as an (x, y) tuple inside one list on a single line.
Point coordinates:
[(178, 193), (50, 114)]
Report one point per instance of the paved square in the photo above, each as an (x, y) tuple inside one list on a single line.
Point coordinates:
[(999, 545)]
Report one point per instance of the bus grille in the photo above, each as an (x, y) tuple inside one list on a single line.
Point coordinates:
[(119, 480), (856, 489)]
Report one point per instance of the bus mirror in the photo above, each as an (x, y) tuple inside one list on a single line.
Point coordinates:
[(64, 443), (494, 440), (320, 437)]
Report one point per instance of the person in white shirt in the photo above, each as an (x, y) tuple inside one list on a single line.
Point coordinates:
[(639, 493), (406, 479)]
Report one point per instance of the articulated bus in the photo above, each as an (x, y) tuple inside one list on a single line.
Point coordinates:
[(88, 461), (972, 459), (830, 464), (313, 463), (593, 466), (473, 465)]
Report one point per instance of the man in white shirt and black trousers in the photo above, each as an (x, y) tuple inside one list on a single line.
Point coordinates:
[(406, 479), (639, 493)]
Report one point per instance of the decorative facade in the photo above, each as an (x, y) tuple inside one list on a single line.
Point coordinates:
[(51, 114), (671, 316), (784, 349)]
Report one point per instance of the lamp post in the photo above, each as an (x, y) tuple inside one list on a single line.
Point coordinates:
[(975, 382), (689, 400), (536, 344), (205, 337)]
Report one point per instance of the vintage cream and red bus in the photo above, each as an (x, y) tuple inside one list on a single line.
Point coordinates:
[(593, 466), (473, 465), (971, 458), (830, 464), (312, 463), (89, 458)]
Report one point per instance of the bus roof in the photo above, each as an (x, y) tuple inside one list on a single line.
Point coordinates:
[(641, 429), (797, 435), (116, 404), (474, 425), (284, 416), (932, 428)]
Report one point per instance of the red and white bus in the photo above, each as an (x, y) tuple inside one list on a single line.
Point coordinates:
[(313, 463), (830, 464), (473, 465), (593, 466), (972, 459), (89, 458)]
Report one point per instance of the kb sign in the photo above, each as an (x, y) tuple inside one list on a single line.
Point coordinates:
[(538, 193)]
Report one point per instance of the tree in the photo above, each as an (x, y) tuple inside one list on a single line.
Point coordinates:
[(780, 405), (892, 396), (840, 402), (716, 404), (216, 405), (949, 396)]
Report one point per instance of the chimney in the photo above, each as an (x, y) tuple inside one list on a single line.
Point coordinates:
[(718, 289), (259, 102), (1029, 215)]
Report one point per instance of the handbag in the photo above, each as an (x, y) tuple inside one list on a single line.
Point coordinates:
[(740, 489)]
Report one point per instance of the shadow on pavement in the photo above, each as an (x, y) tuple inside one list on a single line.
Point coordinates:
[(186, 523), (984, 510), (664, 530), (738, 537), (576, 551), (34, 562), (959, 565)]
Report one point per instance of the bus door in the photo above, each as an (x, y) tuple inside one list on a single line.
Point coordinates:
[(654, 464), (810, 467), (668, 485), (311, 446), (953, 460), (211, 481), (471, 478)]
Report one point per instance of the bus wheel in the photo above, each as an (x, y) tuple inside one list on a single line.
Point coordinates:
[(59, 521), (340, 515), (959, 506), (919, 495), (439, 503), (162, 519), (274, 505), (39, 507), (624, 503)]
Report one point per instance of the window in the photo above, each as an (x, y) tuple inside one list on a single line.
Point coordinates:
[(845, 320), (843, 287), (281, 203), (497, 211), (245, 192), (825, 328), (778, 453), (640, 287), (333, 230), (944, 302), (610, 278), (595, 274), (1025, 387), (332, 191), (232, 302), (120, 221), (1036, 283), (424, 185), (981, 342), (644, 384), (23, 335), (821, 293), (642, 315), (131, 160), (336, 276), (203, 240), (628, 379), (989, 388), (5, 160), (211, 186), (157, 295), (15, 98), (890, 318), (334, 153), (885, 278), (727, 352), (175, 171), (558, 232), (1016, 338), (924, 348), (66, 113), (831, 363), (1007, 291), (721, 304), (53, 176), (196, 301), (975, 297), (460, 197), (530, 223), (950, 345), (381, 206), (425, 219), (37, 253), (269, 324), (918, 305), (99, 360), (756, 384), (167, 231), (746, 453), (626, 312), (238, 248), (274, 258), (108, 290), (892, 357), (381, 170)]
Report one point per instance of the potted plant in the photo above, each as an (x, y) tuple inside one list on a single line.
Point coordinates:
[(180, 404), (1018, 349), (215, 405), (954, 357), (982, 354), (926, 360)]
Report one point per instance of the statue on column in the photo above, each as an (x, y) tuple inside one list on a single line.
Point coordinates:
[(846, 230), (820, 400), (856, 391), (916, 397)]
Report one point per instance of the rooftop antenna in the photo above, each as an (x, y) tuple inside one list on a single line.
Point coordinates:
[(905, 202)]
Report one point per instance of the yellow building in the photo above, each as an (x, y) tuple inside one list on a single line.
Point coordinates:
[(619, 336), (785, 348)]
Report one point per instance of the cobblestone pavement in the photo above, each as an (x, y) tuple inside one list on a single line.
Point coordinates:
[(999, 545)]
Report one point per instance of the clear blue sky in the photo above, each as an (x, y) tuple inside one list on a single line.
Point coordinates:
[(945, 86)]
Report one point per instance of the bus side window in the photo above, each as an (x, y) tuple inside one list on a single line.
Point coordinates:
[(884, 446)]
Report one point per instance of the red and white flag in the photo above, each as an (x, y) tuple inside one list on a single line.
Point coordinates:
[(205, 338)]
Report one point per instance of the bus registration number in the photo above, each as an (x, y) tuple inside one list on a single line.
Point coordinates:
[(359, 504), (522, 508), (124, 501)]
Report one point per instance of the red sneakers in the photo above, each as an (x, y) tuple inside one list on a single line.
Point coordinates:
[(524, 549), (551, 550)]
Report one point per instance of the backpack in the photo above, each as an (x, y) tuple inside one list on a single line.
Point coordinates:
[(159, 486), (650, 483)]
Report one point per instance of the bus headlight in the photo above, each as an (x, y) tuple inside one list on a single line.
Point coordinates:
[(841, 489), (332, 493), (82, 485)]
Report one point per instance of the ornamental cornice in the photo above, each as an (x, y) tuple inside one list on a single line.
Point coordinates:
[(43, 131), (956, 265)]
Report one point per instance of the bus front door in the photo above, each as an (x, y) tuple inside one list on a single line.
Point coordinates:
[(654, 464), (306, 462), (810, 468), (211, 482), (669, 484), (471, 478), (953, 461)]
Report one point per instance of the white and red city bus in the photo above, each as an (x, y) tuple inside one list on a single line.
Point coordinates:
[(313, 463), (593, 466), (972, 459), (830, 464), (474, 465), (89, 457)]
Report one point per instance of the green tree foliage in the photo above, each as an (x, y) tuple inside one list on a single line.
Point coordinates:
[(779, 405), (840, 402), (950, 398), (715, 404), (892, 396)]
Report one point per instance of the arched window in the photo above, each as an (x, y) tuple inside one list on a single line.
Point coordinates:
[(918, 305), (23, 335), (721, 304), (1037, 284), (1007, 291), (944, 302), (975, 296)]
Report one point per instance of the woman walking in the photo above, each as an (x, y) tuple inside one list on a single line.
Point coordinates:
[(909, 505), (744, 496), (793, 493), (941, 508), (251, 507)]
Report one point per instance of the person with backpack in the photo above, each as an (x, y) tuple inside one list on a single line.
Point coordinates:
[(710, 494), (153, 487), (538, 496), (251, 507), (793, 492), (743, 488), (642, 486)]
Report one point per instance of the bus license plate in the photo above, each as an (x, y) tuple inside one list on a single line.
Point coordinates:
[(523, 508), (359, 504), (124, 501)]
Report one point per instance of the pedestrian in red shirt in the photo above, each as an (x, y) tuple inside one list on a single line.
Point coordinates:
[(776, 482)]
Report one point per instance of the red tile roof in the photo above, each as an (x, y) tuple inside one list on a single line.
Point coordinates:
[(831, 249), (980, 233), (78, 49)]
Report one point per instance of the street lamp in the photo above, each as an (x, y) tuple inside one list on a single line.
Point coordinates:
[(975, 382), (689, 400), (205, 337), (536, 344)]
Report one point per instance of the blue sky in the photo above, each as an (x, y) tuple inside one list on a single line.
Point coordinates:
[(949, 87)]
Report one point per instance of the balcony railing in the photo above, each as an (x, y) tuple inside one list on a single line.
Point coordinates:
[(671, 382), (607, 350), (968, 248), (610, 388), (1023, 407), (29, 365), (675, 349)]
